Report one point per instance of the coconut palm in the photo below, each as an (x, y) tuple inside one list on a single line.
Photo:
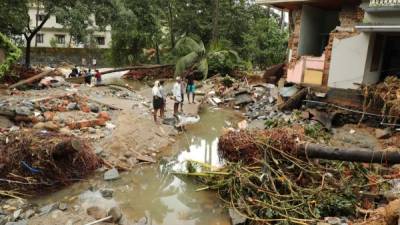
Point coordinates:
[(194, 55)]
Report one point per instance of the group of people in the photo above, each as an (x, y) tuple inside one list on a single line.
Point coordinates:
[(178, 95), (87, 75)]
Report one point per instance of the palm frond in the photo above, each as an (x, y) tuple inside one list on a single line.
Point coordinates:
[(186, 45), (185, 62), (203, 67)]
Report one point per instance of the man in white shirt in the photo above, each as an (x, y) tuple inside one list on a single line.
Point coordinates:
[(177, 95)]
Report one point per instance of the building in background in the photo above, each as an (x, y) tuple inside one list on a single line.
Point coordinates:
[(341, 43), (53, 34)]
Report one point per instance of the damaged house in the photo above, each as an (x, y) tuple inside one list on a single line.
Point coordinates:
[(342, 43)]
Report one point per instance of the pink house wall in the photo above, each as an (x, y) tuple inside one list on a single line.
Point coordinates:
[(295, 74)]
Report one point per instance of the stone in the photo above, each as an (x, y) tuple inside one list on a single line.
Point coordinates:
[(29, 213), (72, 106), (104, 115), (96, 212), (94, 108), (63, 206), (116, 214), (21, 222), (3, 219), (48, 116), (50, 126), (66, 131), (16, 214), (142, 221), (111, 174), (23, 111), (48, 209), (236, 218), (124, 221), (98, 150), (383, 133), (107, 193), (333, 220), (92, 130), (5, 122)]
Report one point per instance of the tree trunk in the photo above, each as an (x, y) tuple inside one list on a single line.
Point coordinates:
[(318, 151), (170, 23), (158, 53), (28, 51), (37, 20), (215, 22), (282, 20)]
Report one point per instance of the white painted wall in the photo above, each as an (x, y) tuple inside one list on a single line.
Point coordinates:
[(372, 77), (52, 28), (349, 59)]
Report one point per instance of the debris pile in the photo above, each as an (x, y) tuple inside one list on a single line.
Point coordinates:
[(386, 94), (35, 162), (151, 73), (265, 180)]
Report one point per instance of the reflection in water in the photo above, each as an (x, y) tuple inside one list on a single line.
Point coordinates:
[(166, 199), (152, 192)]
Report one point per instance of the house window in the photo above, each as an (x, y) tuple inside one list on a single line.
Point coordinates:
[(39, 38), (101, 40), (58, 20), (60, 39), (40, 17)]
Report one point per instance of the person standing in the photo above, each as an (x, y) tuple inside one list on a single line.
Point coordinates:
[(177, 95), (88, 76), (191, 88), (164, 99), (157, 99), (98, 77), (183, 88)]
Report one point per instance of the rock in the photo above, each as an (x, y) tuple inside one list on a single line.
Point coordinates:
[(104, 115), (116, 214), (124, 221), (48, 209), (107, 193), (98, 150), (92, 130), (236, 218), (3, 220), (111, 174), (383, 133), (23, 111), (94, 108), (16, 214), (142, 221), (66, 131), (29, 213), (96, 212), (72, 106), (50, 125), (48, 116), (63, 206), (322, 223), (21, 222), (333, 220), (5, 122)]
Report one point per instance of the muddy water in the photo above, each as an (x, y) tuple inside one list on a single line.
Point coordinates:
[(153, 192)]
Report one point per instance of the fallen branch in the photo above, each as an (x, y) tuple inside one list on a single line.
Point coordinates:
[(100, 220), (31, 79)]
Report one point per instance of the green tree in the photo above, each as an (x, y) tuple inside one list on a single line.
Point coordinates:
[(266, 43), (195, 56), (18, 22), (136, 26)]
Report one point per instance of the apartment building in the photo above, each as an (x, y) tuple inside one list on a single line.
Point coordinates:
[(53, 34), (342, 43)]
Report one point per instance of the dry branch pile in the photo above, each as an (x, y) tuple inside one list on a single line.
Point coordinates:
[(42, 161), (267, 183), (387, 94)]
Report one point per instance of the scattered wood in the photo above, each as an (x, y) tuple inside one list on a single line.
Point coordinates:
[(31, 79)]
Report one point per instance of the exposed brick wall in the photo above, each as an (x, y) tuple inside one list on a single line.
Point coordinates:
[(348, 17), (295, 37)]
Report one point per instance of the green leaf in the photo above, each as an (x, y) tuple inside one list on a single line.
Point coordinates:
[(203, 67), (185, 62)]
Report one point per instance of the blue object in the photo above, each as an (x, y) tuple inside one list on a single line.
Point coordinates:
[(33, 170)]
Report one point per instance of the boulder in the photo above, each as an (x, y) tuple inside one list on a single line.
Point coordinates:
[(116, 214), (96, 212), (23, 111), (111, 174)]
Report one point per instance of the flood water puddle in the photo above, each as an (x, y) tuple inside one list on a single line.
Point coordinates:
[(163, 198)]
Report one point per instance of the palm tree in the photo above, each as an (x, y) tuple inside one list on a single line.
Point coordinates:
[(194, 56)]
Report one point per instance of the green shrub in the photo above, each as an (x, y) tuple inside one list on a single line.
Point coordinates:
[(12, 53)]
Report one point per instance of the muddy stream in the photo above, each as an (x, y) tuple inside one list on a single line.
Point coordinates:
[(152, 192)]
